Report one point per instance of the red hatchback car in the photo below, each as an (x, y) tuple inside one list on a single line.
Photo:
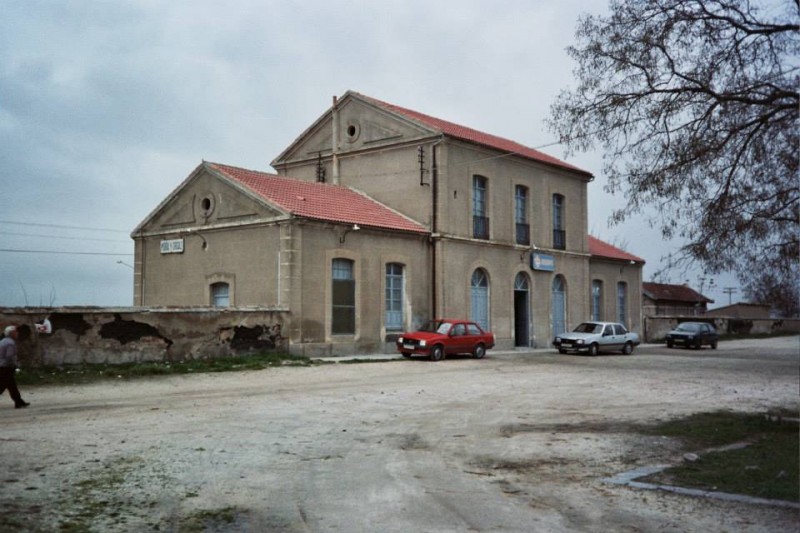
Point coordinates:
[(442, 337)]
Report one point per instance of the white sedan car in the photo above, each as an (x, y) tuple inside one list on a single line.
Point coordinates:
[(596, 337)]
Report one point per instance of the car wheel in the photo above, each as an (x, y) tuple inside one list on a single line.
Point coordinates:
[(627, 349), (593, 349), (698, 344), (714, 345), (670, 344), (480, 351), (560, 350), (406, 354), (437, 353)]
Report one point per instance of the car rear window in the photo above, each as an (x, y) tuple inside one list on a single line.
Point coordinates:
[(472, 329)]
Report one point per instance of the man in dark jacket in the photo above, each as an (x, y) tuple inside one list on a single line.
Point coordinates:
[(8, 365)]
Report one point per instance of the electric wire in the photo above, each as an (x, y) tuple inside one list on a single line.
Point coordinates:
[(13, 250), (60, 226), (60, 237)]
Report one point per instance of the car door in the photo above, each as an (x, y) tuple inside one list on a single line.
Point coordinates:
[(458, 339), (607, 340)]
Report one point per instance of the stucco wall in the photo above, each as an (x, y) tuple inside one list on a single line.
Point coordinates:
[(611, 273), (127, 335), (370, 251)]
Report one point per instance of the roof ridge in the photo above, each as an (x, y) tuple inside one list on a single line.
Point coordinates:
[(316, 200), (429, 121)]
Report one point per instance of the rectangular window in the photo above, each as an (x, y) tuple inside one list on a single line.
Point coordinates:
[(394, 296), (343, 315), (597, 299), (559, 233), (523, 230), (480, 222), (622, 303)]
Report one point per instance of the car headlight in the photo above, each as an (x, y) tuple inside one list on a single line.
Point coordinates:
[(422, 344), (400, 340), (557, 339), (580, 341)]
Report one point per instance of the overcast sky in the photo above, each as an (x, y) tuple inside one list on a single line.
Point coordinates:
[(105, 107)]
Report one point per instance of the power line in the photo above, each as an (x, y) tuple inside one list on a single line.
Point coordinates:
[(59, 237), (59, 252), (60, 226)]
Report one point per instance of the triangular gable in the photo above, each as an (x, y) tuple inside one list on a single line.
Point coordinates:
[(231, 203), (373, 125), (303, 148)]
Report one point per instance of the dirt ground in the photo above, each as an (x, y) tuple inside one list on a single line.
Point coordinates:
[(514, 442)]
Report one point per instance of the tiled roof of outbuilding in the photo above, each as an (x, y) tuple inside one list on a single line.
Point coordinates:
[(675, 293), (474, 136), (600, 248), (319, 201)]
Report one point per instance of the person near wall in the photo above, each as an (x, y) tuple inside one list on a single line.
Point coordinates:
[(8, 366)]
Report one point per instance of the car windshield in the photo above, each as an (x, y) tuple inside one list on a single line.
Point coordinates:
[(436, 326), (588, 327), (688, 326)]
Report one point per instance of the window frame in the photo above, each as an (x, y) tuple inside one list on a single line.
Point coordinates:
[(343, 285), (392, 298), (480, 207), (559, 223)]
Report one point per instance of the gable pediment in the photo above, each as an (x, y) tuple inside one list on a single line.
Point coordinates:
[(205, 199), (360, 125)]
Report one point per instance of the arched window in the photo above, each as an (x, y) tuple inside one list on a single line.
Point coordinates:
[(343, 313), (479, 311), (622, 303), (220, 294), (597, 299), (559, 305), (394, 296)]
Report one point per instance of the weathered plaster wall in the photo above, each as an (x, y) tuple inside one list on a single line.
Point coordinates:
[(137, 334)]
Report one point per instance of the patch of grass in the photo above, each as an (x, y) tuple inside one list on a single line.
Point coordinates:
[(767, 468), (89, 373)]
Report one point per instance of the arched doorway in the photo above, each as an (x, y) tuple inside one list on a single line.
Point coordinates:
[(559, 309), (479, 311), (522, 317)]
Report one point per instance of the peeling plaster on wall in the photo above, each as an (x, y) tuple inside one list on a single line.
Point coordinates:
[(255, 339), (126, 331), (72, 322), (138, 334)]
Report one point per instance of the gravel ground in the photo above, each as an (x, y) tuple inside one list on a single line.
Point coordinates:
[(515, 442)]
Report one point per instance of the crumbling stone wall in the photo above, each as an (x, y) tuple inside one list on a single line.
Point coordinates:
[(137, 334)]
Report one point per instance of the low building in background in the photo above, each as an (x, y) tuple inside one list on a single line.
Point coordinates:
[(663, 299), (741, 310)]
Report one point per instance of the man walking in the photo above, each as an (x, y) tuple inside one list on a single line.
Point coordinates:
[(8, 365)]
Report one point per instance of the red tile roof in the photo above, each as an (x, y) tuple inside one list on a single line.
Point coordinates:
[(600, 248), (675, 293), (319, 201), (474, 136)]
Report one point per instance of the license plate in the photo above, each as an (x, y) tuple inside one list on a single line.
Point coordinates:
[(408, 346)]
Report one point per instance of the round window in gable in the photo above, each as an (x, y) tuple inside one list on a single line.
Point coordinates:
[(207, 205), (352, 131)]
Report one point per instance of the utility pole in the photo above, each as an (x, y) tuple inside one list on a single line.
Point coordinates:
[(729, 291)]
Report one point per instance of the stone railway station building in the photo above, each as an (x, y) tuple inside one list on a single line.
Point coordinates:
[(380, 217)]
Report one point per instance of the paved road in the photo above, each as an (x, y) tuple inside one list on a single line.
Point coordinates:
[(514, 442)]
